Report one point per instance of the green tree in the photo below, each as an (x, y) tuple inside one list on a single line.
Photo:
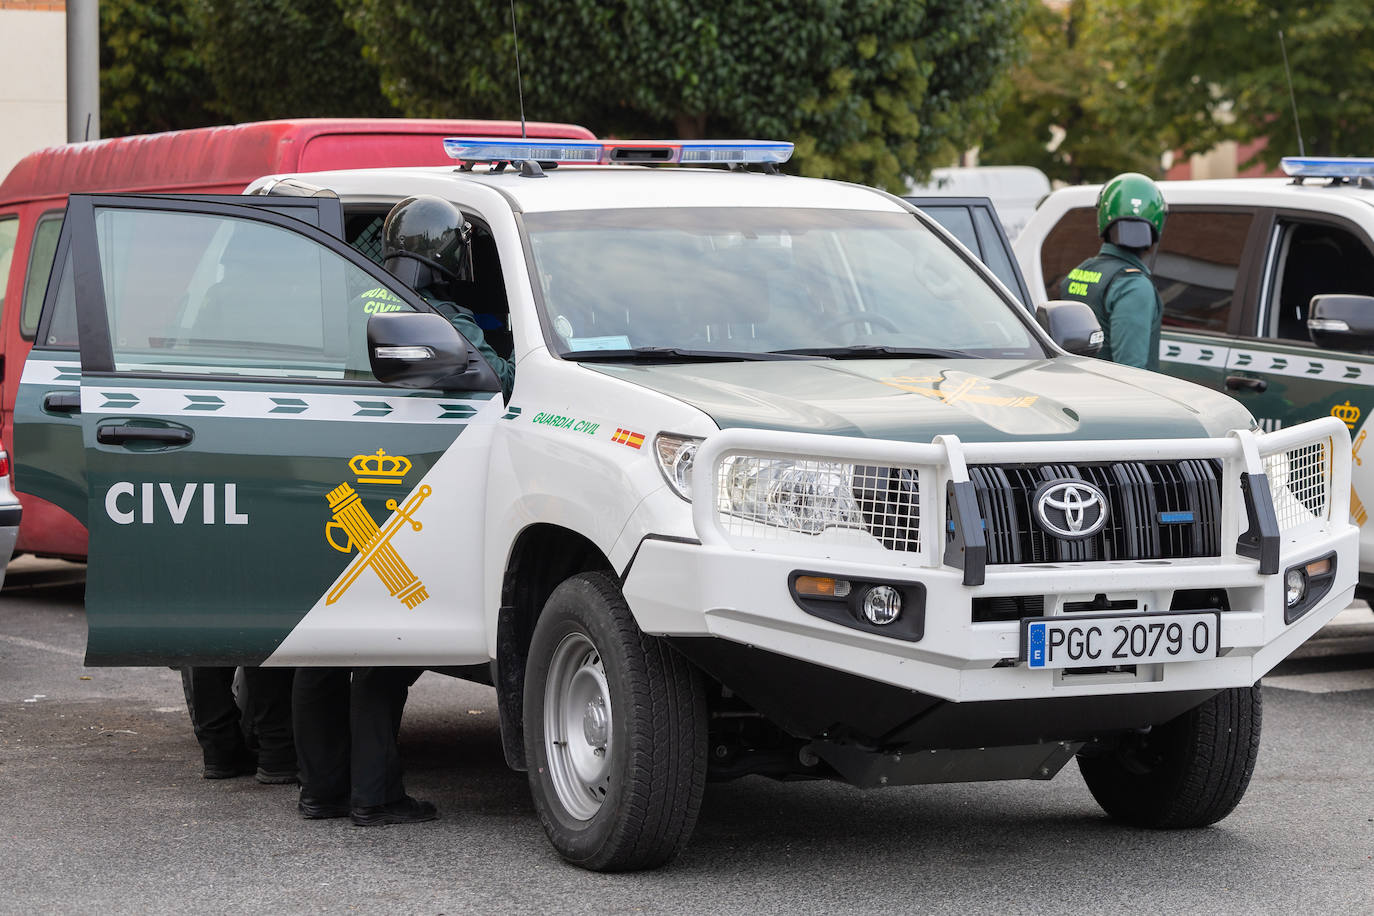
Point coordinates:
[(1066, 114), (1213, 70), (151, 78), (285, 58), (870, 91)]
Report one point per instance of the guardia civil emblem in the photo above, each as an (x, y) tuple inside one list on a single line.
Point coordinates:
[(372, 542)]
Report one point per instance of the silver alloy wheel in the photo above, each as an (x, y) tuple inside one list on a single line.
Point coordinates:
[(577, 726)]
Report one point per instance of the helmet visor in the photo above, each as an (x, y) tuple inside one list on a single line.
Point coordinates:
[(1131, 233)]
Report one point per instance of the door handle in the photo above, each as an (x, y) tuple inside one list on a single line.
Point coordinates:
[(120, 433), (1246, 383), (62, 402)]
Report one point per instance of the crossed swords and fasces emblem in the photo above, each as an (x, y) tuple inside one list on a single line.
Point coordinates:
[(963, 390), (373, 543)]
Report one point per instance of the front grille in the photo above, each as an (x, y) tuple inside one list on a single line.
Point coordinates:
[(1156, 510)]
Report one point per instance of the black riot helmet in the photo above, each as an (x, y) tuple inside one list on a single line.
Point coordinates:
[(426, 242)]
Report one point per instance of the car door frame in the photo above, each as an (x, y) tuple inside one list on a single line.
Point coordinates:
[(93, 324)]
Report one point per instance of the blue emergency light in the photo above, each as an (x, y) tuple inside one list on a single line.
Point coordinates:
[(629, 152), (1326, 167)]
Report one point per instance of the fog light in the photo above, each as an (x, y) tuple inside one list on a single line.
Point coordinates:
[(1295, 583), (882, 605)]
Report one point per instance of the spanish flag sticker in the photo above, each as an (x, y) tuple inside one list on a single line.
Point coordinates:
[(625, 437)]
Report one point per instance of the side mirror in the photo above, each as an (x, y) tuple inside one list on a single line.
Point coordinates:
[(422, 350), (1072, 325), (1341, 322)]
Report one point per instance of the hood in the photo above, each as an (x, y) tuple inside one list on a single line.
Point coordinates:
[(913, 400)]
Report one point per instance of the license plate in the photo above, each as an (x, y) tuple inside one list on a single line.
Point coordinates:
[(1104, 641)]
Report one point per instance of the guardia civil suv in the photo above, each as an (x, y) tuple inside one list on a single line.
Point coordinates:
[(1268, 292), (788, 484)]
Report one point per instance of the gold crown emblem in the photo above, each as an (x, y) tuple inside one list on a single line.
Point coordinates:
[(1347, 413), (380, 468)]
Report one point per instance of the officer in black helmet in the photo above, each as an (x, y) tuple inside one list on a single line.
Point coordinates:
[(427, 244), (347, 719)]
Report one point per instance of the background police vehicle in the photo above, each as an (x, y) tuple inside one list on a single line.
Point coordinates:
[(1268, 291), (788, 484)]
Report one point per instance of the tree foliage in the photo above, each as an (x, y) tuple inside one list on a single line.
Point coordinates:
[(1066, 114), (151, 78), (1210, 70), (285, 58), (870, 91)]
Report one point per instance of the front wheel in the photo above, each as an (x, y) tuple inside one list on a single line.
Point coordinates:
[(615, 732), (1189, 772)]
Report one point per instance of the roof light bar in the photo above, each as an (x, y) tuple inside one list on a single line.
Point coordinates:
[(485, 149), (1326, 167), (605, 152)]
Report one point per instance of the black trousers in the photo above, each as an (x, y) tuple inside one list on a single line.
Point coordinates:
[(218, 725), (346, 723)]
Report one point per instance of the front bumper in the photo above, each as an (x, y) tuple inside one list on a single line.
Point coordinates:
[(739, 591)]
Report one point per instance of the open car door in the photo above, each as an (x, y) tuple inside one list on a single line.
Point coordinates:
[(201, 395)]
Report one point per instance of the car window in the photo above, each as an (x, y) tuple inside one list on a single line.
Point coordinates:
[(9, 237), (188, 292), (1196, 267), (363, 230), (959, 222), (995, 254), (1315, 258), (60, 333), (760, 280), (41, 252), (1071, 242)]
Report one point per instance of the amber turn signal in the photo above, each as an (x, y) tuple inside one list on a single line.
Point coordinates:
[(821, 587)]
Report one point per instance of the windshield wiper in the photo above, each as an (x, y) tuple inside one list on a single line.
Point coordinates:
[(876, 351), (676, 355)]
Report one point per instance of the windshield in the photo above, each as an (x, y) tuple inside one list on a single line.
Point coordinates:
[(764, 281)]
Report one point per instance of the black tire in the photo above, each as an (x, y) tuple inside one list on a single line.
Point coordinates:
[(1189, 772), (654, 747)]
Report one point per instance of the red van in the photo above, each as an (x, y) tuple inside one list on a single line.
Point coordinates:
[(212, 160)]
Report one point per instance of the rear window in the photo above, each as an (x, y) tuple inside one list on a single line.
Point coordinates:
[(45, 236), (9, 237)]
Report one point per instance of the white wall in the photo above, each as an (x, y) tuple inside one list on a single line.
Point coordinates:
[(33, 79)]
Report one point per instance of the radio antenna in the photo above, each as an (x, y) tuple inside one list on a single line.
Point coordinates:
[(1286, 72), (519, 85)]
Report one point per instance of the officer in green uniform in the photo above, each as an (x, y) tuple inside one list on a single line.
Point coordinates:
[(347, 720), (1116, 282), (427, 244)]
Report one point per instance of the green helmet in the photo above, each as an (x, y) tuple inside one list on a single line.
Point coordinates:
[(1132, 196)]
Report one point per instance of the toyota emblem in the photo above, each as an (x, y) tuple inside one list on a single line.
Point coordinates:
[(1071, 508)]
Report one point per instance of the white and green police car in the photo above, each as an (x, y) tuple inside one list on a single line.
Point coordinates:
[(1268, 289), (788, 484)]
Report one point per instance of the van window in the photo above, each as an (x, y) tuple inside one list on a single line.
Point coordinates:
[(40, 266), (9, 237)]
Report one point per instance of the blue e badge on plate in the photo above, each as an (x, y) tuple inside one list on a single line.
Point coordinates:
[(1035, 645)]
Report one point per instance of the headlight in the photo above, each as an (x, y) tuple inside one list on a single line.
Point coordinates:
[(675, 457), (803, 495)]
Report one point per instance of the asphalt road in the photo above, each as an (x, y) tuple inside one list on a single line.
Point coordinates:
[(102, 809)]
